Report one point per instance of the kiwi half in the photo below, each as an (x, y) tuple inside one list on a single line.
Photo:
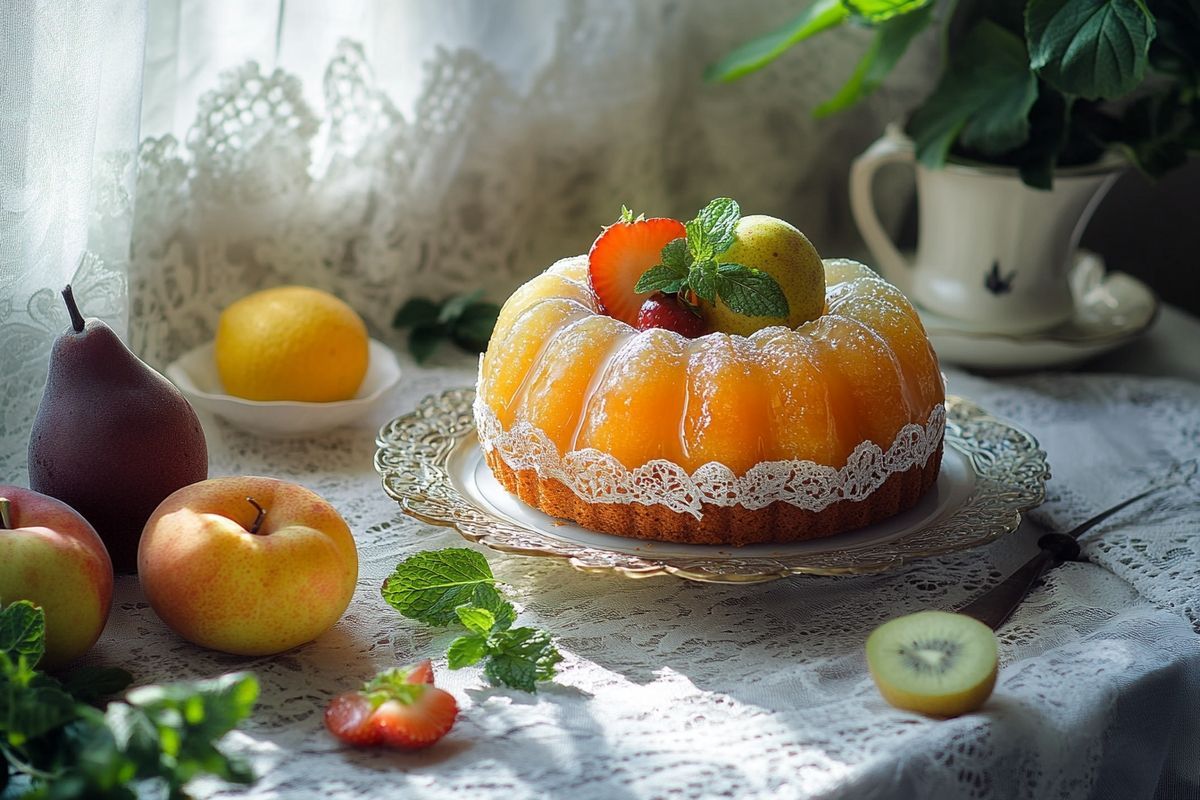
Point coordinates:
[(933, 662)]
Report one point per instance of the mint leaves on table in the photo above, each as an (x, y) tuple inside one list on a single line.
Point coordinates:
[(455, 586), (689, 267), (55, 744), (464, 319)]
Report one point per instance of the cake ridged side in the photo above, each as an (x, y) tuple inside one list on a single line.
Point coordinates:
[(729, 525)]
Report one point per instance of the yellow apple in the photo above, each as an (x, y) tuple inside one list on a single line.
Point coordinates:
[(51, 556), (779, 249), (247, 565)]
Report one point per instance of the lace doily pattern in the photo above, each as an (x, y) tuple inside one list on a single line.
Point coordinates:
[(598, 477)]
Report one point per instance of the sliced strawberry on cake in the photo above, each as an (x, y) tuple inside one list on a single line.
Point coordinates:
[(619, 256)]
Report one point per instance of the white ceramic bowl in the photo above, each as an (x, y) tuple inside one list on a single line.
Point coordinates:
[(195, 373)]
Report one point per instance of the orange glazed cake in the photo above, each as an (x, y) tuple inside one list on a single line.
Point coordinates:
[(682, 383)]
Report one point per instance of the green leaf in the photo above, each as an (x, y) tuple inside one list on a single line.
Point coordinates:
[(474, 326), (393, 684), (703, 280), (876, 11), (466, 650), (676, 255), (23, 631), (1089, 48), (423, 341), (503, 613), (521, 657), (430, 585), (661, 278), (475, 619), (750, 292), (699, 247), (985, 96), (453, 307), (27, 713), (889, 44), (757, 53), (87, 684), (418, 311), (719, 220)]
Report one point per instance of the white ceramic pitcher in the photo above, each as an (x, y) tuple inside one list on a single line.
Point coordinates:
[(992, 253)]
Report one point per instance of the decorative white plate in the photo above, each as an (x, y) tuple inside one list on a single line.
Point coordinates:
[(1111, 308), (195, 373), (991, 472)]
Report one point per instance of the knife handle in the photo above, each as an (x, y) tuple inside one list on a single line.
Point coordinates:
[(996, 605)]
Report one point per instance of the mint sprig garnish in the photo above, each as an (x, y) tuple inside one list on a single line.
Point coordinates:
[(55, 743), (455, 586), (689, 265)]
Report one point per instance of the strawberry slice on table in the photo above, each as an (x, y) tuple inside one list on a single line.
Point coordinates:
[(619, 256), (400, 708), (416, 724), (348, 717)]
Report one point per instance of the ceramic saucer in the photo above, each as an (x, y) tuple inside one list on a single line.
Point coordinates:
[(1111, 308)]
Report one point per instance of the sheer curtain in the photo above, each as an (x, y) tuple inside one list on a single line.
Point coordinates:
[(70, 93), (381, 149)]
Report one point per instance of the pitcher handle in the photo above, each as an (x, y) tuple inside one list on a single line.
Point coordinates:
[(893, 147)]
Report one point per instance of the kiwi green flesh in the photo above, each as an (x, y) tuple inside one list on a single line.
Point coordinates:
[(933, 652)]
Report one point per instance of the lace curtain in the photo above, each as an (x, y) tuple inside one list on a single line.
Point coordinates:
[(380, 150)]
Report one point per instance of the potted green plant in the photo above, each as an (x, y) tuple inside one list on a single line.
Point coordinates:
[(1037, 94)]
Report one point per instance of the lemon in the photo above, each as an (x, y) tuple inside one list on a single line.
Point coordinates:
[(291, 343), (779, 249), (934, 662)]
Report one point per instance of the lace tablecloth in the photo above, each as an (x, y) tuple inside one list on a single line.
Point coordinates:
[(682, 690)]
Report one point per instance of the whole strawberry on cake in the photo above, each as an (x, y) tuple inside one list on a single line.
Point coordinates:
[(711, 382)]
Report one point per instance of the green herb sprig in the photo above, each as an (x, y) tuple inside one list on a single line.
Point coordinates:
[(455, 586), (464, 319), (55, 744), (690, 266)]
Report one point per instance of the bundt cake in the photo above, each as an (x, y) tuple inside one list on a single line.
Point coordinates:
[(782, 435)]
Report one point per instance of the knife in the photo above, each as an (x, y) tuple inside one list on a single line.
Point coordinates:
[(996, 605)]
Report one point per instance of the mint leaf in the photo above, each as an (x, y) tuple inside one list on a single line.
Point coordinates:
[(699, 247), (677, 256), (474, 326), (475, 619), (1090, 48), (454, 306), (661, 278), (87, 684), (750, 292), (756, 54), (503, 613), (719, 221), (986, 94), (430, 585), (887, 47), (703, 280), (23, 631), (27, 712), (423, 341), (416, 312), (466, 650), (521, 657)]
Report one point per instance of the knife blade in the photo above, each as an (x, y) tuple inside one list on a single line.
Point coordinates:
[(994, 607)]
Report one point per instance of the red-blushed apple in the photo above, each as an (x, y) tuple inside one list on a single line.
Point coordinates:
[(247, 565), (51, 556)]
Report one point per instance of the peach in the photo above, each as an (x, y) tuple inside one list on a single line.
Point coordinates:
[(247, 565)]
